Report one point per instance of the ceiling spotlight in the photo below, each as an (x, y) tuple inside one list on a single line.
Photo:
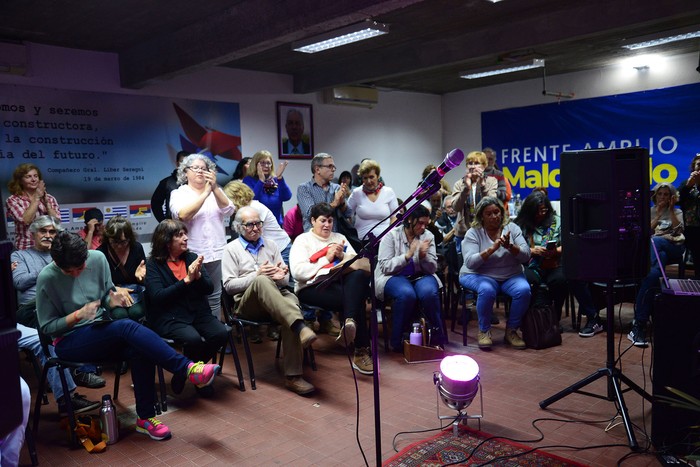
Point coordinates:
[(457, 384), (648, 41), (502, 69), (343, 36)]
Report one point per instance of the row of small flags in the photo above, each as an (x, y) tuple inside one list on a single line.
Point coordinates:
[(77, 215)]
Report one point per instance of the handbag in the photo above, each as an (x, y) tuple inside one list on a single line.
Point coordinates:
[(540, 327)]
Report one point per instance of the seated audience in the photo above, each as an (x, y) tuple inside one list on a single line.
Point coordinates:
[(255, 274), (27, 266), (28, 199), (127, 263), (74, 296), (405, 273), (494, 251), (668, 238), (92, 232), (313, 255), (177, 287)]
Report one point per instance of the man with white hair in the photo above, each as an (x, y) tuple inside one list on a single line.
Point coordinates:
[(255, 275)]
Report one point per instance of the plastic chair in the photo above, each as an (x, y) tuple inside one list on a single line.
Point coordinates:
[(236, 321)]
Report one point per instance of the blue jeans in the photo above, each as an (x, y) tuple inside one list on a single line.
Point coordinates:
[(669, 252), (406, 295), (30, 340), (487, 288), (125, 339)]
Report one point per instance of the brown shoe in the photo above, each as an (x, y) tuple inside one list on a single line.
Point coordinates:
[(513, 339), (299, 385), (362, 361), (484, 340), (307, 337), (329, 327)]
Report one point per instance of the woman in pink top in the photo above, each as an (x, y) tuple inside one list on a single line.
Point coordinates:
[(201, 204)]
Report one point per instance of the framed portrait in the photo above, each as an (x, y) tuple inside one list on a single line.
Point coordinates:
[(295, 130)]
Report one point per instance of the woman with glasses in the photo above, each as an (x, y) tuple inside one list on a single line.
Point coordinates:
[(494, 251), (269, 187), (201, 204), (127, 263)]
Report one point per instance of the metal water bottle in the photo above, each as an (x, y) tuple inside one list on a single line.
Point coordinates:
[(108, 419)]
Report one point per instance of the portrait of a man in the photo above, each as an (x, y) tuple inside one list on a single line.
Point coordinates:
[(295, 126)]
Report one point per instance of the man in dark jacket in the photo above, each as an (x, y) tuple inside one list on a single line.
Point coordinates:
[(160, 201)]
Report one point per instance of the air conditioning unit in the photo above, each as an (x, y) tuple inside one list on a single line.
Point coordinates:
[(13, 58), (362, 96)]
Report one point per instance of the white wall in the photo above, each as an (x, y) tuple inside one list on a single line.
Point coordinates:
[(403, 132), (462, 110)]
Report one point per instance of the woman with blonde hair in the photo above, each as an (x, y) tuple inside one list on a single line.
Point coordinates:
[(269, 187), (372, 202)]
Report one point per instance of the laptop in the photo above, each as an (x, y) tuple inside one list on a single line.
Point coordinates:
[(687, 287)]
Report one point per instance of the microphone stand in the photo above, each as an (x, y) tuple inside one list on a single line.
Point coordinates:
[(370, 251)]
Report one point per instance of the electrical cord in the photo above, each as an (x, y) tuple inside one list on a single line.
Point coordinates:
[(427, 430)]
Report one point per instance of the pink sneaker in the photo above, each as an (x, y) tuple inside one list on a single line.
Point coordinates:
[(201, 374), (153, 428)]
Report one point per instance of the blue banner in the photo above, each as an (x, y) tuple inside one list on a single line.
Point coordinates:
[(529, 140)]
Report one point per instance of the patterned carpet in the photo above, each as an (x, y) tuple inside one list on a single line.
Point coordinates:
[(446, 449)]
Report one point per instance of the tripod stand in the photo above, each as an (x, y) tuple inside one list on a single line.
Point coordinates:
[(613, 374)]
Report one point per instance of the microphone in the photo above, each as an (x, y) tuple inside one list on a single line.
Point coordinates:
[(453, 159)]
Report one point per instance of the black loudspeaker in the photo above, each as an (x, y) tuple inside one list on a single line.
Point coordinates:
[(676, 364), (605, 214)]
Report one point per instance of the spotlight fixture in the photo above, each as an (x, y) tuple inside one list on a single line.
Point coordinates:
[(457, 384), (651, 41), (343, 36), (499, 70)]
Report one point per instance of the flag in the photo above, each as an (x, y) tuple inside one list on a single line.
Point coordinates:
[(114, 211), (65, 215), (79, 214), (139, 210)]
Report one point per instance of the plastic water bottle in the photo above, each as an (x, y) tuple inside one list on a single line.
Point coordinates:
[(108, 419), (416, 336)]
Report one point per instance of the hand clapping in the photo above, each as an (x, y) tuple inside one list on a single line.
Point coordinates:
[(194, 271)]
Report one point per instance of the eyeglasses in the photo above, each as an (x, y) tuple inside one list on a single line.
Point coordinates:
[(198, 169), (329, 166), (265, 163), (250, 225)]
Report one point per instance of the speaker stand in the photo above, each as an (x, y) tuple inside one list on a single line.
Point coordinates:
[(612, 373)]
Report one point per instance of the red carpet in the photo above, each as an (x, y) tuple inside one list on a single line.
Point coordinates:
[(445, 448)]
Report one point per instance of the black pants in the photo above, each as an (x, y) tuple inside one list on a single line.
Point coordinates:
[(200, 340), (347, 295)]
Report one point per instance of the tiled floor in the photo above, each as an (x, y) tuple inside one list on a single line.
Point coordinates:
[(271, 426)]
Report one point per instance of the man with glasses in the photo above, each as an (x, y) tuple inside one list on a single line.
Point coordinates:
[(320, 189), (27, 264), (255, 275)]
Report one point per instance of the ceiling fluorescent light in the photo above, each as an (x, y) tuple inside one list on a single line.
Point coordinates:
[(660, 41), (348, 35), (499, 70)]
